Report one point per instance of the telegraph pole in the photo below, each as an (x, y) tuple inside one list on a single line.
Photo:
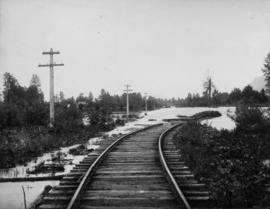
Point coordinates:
[(127, 90), (210, 91), (145, 95), (51, 65)]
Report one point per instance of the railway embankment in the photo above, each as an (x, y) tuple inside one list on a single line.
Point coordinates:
[(128, 173)]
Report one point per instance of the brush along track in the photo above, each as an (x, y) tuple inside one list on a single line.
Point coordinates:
[(127, 174), (186, 189)]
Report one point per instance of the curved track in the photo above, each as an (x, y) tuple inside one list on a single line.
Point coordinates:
[(139, 170)]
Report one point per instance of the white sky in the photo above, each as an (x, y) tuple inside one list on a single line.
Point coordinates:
[(163, 47)]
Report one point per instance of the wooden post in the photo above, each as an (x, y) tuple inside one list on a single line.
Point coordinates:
[(51, 65), (127, 90), (24, 198), (145, 95)]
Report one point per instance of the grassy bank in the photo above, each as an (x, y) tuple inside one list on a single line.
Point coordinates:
[(230, 162)]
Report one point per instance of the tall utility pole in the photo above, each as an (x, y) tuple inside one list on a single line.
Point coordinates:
[(145, 95), (51, 65), (210, 91), (127, 90)]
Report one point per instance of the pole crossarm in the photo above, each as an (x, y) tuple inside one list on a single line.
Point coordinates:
[(51, 65), (51, 52), (127, 90)]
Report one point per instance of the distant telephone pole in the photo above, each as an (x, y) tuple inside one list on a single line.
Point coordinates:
[(145, 95), (51, 65), (127, 90), (210, 91)]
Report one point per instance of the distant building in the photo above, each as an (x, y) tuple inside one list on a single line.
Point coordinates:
[(81, 104)]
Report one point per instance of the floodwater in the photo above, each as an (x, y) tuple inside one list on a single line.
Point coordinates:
[(152, 117), (11, 194), (20, 170), (157, 116), (224, 121)]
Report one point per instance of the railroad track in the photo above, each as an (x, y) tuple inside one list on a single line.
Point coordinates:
[(141, 170)]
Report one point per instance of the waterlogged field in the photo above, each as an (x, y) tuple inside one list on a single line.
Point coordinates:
[(11, 195)]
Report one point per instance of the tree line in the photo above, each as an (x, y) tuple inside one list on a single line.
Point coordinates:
[(118, 102), (212, 97), (22, 106), (26, 107), (236, 97)]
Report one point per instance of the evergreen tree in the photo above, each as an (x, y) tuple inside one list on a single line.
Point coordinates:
[(215, 96), (35, 81), (263, 97), (248, 94), (90, 97), (266, 71), (13, 92), (34, 93), (208, 89), (235, 96), (81, 98)]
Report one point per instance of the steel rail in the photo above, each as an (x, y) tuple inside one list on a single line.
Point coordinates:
[(74, 202), (178, 192)]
